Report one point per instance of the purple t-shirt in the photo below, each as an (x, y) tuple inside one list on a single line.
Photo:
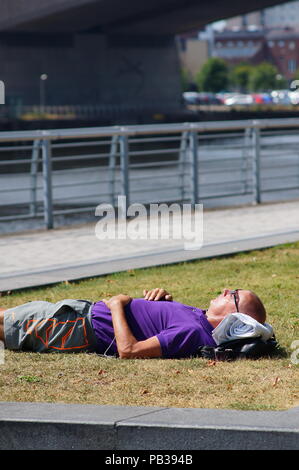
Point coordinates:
[(180, 328)]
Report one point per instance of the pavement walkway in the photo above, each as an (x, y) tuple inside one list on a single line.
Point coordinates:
[(43, 257)]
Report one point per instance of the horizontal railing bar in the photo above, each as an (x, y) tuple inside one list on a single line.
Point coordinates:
[(154, 152), (286, 131), (240, 181), (82, 144), (15, 190), (279, 177), (156, 164), (285, 154), (85, 196), (87, 169), (285, 188), (238, 158), (22, 216), (14, 162), (267, 166), (223, 147), (136, 190), (132, 140), (208, 126), (80, 157), (146, 177), (18, 147), (221, 136), (245, 193), (279, 145), (74, 211)]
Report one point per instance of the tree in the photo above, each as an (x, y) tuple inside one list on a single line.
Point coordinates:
[(213, 76), (263, 77), (240, 76)]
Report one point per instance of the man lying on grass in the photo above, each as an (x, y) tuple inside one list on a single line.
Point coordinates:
[(149, 327)]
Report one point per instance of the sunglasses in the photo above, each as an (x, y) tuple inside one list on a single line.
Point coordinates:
[(236, 297)]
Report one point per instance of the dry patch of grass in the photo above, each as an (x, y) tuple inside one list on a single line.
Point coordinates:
[(196, 383), (267, 384)]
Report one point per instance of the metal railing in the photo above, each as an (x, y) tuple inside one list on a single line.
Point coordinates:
[(45, 173)]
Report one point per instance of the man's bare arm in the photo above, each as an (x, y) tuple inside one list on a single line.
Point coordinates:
[(127, 345)]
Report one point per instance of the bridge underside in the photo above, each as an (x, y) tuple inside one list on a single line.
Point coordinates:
[(101, 52), (119, 16)]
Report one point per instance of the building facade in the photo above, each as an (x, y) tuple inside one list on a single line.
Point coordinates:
[(278, 46)]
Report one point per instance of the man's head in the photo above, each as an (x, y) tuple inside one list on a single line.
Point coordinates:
[(238, 300)]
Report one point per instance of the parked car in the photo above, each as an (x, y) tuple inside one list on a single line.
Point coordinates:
[(281, 97), (208, 98), (262, 98), (192, 97), (294, 97), (239, 99)]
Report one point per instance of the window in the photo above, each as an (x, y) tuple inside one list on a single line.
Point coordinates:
[(292, 65), (292, 45), (270, 43), (281, 43)]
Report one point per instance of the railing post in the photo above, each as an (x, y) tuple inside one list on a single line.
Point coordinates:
[(112, 165), (47, 183), (256, 165), (124, 170), (194, 166), (33, 177), (182, 161)]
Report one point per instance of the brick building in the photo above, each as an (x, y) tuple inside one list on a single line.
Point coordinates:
[(283, 51), (277, 46), (240, 46)]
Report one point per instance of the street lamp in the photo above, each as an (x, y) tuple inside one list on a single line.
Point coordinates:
[(42, 90)]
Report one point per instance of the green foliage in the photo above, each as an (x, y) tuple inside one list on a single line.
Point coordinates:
[(213, 76), (281, 83), (240, 76), (263, 77)]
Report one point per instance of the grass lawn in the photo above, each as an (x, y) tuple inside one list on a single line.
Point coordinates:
[(266, 384)]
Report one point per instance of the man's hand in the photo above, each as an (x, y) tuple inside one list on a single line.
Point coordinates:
[(157, 294), (121, 299)]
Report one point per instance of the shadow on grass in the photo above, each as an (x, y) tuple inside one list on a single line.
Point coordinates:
[(279, 352)]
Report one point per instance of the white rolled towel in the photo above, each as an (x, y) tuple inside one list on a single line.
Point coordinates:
[(238, 326)]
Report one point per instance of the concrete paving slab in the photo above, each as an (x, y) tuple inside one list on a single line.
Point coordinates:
[(34, 278), (64, 426)]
